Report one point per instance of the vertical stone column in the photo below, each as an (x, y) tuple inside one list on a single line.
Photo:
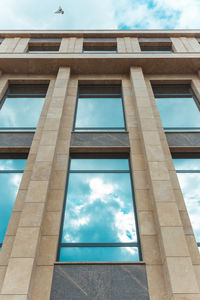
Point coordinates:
[(21, 265), (179, 272), (64, 45), (121, 48), (54, 205), (191, 44), (135, 45), (177, 45), (8, 45), (22, 46)]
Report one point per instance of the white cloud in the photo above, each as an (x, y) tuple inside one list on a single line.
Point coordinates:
[(105, 14)]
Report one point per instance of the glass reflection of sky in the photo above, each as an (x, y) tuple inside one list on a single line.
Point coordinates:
[(190, 185), (99, 164), (178, 112), (9, 185), (21, 112), (99, 209), (99, 254), (100, 112)]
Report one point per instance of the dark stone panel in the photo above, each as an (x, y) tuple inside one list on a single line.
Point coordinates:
[(45, 40), (99, 282), (183, 139), (99, 139), (16, 139), (154, 40)]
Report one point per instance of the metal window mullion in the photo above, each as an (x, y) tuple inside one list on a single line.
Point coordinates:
[(67, 245), (99, 171), (11, 171), (187, 171)]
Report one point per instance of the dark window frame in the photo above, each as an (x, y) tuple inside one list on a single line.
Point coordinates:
[(45, 45), (99, 156), (90, 95), (155, 45), (99, 45)]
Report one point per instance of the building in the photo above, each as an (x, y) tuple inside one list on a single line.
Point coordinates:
[(104, 119)]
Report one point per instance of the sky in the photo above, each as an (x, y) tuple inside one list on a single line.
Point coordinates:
[(104, 14)]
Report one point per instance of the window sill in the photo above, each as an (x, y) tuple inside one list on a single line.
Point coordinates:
[(100, 263)]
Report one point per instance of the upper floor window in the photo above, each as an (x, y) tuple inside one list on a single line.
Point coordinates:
[(100, 45), (99, 108), (11, 171), (99, 216), (44, 45), (188, 172), (155, 45), (21, 106), (178, 107)]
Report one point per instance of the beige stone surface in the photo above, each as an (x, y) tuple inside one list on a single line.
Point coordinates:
[(47, 251), (22, 46), (26, 241), (186, 297), (156, 283), (42, 283), (13, 297), (37, 191), (143, 200), (146, 223), (140, 180), (51, 223), (163, 191), (150, 249), (20, 280), (58, 179), (48, 138), (41, 171), (168, 214), (45, 153), (13, 223), (181, 271), (2, 274), (158, 171), (31, 214), (193, 249), (6, 250), (19, 202), (55, 200), (174, 241)]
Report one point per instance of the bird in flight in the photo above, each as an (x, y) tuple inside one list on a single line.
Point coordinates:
[(59, 11)]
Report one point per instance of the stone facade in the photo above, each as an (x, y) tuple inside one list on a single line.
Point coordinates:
[(170, 269)]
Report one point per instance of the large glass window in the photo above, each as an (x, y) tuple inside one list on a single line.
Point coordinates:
[(44, 45), (21, 106), (99, 108), (179, 111), (99, 222), (188, 172), (11, 171)]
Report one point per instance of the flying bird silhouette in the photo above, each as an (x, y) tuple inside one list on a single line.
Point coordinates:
[(59, 11)]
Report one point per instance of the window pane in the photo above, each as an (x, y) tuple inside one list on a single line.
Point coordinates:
[(12, 164), (99, 164), (187, 164), (99, 208), (190, 185), (21, 112), (99, 113), (99, 254), (9, 184), (178, 112)]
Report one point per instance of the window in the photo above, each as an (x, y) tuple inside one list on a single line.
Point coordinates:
[(21, 106), (99, 221), (100, 45), (99, 108), (11, 171), (155, 45), (178, 107), (45, 45), (188, 172)]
